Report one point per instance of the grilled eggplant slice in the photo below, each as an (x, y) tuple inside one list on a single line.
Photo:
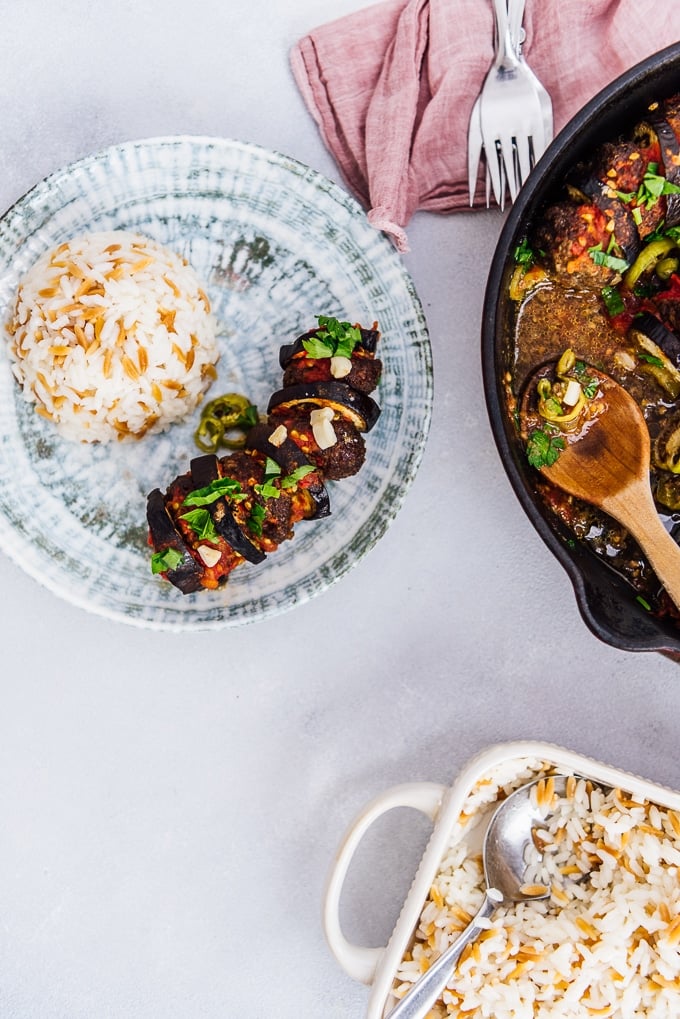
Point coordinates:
[(670, 155), (359, 408), (163, 534)]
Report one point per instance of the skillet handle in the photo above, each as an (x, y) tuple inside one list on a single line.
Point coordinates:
[(359, 962)]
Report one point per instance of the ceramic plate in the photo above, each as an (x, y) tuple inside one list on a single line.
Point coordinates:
[(276, 245)]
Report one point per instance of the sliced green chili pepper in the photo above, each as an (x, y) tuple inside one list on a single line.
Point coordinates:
[(647, 259), (550, 404), (666, 267), (221, 421)]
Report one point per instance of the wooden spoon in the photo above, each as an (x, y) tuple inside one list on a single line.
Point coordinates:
[(606, 462)]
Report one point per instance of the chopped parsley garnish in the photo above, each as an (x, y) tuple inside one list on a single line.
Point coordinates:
[(248, 418), (256, 518), (652, 187), (201, 522), (606, 259), (333, 339), (650, 359), (212, 492), (543, 447), (643, 601), (297, 475), (267, 489), (524, 254), (168, 559), (673, 232), (613, 301), (588, 384), (644, 289)]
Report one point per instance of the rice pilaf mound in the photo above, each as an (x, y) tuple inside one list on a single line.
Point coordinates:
[(607, 941), (112, 337)]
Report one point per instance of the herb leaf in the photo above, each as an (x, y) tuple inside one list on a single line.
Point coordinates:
[(268, 490), (297, 475), (200, 521), (588, 384), (168, 559), (333, 339), (316, 347), (613, 301), (523, 254), (256, 518), (212, 492), (652, 187), (249, 418), (543, 447), (651, 359), (606, 259)]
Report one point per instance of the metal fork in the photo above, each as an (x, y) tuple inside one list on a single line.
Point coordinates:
[(508, 118)]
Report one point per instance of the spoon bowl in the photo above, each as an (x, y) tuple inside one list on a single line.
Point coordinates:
[(605, 462), (508, 839)]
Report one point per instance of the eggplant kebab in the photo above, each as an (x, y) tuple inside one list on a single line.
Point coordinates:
[(238, 508)]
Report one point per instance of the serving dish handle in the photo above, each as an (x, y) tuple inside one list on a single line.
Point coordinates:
[(360, 962)]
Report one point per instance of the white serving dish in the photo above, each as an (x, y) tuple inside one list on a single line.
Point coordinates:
[(442, 805)]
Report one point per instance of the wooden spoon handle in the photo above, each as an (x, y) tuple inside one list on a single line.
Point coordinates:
[(634, 508)]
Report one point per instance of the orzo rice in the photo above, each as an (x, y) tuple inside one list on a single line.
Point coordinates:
[(607, 942), (112, 336)]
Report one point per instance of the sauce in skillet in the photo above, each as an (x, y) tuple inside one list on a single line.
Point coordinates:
[(600, 273)]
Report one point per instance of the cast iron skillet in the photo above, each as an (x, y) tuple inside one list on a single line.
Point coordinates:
[(606, 603)]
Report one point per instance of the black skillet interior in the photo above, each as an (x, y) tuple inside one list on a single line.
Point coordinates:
[(606, 603)]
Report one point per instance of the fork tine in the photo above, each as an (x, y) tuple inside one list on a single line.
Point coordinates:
[(494, 161), (507, 147), (474, 150), (524, 160)]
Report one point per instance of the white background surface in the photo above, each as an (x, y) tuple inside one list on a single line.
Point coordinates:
[(170, 804)]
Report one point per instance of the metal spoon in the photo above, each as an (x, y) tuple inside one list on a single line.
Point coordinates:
[(507, 839)]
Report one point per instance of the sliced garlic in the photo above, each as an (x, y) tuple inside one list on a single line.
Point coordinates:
[(340, 366), (572, 393), (322, 427), (279, 436), (210, 556), (625, 359)]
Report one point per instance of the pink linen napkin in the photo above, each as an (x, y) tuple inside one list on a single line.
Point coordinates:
[(391, 86)]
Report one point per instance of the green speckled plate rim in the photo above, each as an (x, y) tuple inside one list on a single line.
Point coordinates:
[(218, 201)]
